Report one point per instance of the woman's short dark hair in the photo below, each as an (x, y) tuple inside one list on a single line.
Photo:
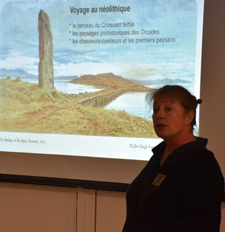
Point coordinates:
[(186, 99)]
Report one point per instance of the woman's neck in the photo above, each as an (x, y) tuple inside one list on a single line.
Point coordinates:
[(173, 144)]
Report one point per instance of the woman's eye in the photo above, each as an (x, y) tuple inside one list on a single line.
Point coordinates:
[(168, 109), (155, 110)]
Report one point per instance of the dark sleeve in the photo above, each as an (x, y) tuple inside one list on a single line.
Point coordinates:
[(201, 195)]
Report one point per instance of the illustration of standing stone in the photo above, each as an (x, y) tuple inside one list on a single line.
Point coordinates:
[(45, 69)]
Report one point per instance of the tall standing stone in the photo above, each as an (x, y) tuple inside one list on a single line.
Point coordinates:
[(45, 69)]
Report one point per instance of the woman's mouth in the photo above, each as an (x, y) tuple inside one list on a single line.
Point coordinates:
[(160, 125)]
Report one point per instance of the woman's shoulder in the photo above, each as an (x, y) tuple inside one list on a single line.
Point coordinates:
[(197, 150), (202, 161)]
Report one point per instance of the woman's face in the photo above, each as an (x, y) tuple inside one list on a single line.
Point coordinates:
[(170, 119)]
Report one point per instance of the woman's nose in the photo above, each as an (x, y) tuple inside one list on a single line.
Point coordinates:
[(160, 113)]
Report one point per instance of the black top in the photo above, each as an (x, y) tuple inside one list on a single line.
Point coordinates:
[(183, 195)]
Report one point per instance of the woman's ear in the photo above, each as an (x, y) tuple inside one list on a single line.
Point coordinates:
[(190, 116)]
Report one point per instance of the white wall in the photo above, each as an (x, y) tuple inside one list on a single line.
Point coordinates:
[(25, 208), (222, 228), (212, 110)]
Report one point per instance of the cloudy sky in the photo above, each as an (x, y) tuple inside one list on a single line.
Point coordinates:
[(173, 19)]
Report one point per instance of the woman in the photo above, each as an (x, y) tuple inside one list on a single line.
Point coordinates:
[(181, 187)]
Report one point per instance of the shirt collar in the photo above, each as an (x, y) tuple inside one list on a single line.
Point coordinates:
[(182, 150), (199, 142)]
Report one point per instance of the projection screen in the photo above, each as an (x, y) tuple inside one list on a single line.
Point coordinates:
[(74, 76)]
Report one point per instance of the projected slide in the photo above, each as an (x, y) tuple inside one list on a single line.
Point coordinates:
[(74, 74)]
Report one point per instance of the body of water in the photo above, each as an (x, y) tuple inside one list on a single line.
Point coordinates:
[(74, 88), (134, 103)]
